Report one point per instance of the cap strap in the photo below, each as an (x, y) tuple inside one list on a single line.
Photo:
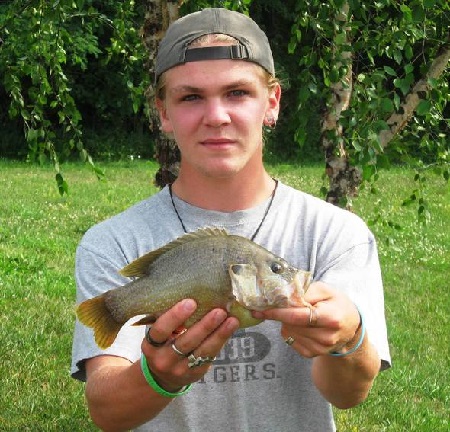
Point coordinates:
[(216, 53)]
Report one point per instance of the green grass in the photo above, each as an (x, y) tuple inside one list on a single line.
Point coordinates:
[(39, 232)]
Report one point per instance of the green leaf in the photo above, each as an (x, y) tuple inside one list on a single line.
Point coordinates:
[(397, 101), (99, 172), (356, 145), (423, 108), (340, 38), (368, 171), (379, 125), (398, 56), (32, 135), (407, 13), (303, 94), (390, 71), (409, 200), (402, 84), (409, 68), (63, 187), (409, 52), (292, 45), (429, 3), (387, 105), (418, 13), (83, 155)]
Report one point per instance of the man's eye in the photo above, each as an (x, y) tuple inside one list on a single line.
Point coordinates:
[(190, 97), (238, 93)]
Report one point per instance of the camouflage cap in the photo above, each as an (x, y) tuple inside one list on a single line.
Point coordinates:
[(253, 45)]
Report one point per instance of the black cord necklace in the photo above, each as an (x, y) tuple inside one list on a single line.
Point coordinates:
[(257, 229)]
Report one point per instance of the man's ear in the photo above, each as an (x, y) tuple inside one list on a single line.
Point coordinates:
[(273, 107)]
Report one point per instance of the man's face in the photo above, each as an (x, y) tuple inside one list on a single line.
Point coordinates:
[(215, 110)]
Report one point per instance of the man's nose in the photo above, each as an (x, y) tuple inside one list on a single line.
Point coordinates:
[(216, 113)]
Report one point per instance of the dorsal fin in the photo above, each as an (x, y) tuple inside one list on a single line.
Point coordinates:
[(139, 267)]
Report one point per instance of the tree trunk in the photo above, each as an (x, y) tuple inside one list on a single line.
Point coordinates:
[(159, 15), (344, 179)]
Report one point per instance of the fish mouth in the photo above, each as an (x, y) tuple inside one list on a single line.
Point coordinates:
[(255, 294), (298, 287), (290, 294)]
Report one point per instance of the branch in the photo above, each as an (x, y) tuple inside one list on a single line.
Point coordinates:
[(400, 119), (340, 91)]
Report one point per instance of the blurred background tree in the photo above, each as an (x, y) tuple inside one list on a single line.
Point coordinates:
[(365, 84)]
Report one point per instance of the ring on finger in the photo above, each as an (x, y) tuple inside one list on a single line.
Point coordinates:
[(199, 361), (290, 340), (313, 317), (151, 341), (180, 353)]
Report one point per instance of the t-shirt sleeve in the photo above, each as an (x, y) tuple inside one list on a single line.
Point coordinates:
[(356, 271), (95, 274)]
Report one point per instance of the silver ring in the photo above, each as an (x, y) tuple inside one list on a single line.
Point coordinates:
[(182, 354), (199, 361), (312, 317), (290, 340), (151, 341)]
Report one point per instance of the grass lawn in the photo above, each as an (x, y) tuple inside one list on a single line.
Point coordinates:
[(39, 232)]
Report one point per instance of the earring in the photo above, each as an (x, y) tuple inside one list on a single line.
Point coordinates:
[(270, 122)]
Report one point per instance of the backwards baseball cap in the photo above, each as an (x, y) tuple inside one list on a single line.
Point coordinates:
[(253, 45)]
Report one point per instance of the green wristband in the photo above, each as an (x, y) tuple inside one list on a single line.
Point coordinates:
[(154, 385)]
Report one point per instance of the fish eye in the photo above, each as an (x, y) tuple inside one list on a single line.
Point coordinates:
[(276, 267), (237, 269)]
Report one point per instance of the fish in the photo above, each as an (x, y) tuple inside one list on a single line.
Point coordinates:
[(216, 269)]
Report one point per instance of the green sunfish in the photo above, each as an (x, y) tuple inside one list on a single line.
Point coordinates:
[(214, 268)]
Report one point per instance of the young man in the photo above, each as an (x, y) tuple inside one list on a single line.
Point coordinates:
[(216, 91)]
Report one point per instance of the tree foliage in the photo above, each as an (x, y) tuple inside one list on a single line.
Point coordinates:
[(60, 62), (65, 65), (391, 45)]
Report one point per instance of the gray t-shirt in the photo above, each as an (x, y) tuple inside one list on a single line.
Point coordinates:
[(257, 382)]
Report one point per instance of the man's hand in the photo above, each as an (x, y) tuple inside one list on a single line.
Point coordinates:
[(330, 321), (204, 339)]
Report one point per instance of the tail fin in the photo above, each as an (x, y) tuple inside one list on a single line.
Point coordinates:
[(94, 313)]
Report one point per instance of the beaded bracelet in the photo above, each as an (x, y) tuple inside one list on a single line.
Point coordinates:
[(360, 341), (155, 386)]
